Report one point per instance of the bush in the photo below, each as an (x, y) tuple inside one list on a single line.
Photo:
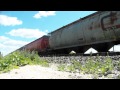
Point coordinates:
[(90, 66), (98, 67), (20, 58), (61, 67), (71, 68), (1, 56)]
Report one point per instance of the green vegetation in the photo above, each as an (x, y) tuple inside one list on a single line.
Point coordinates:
[(90, 66), (1, 56), (20, 58), (61, 67), (97, 67)]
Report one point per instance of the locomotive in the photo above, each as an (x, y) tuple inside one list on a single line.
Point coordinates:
[(100, 30)]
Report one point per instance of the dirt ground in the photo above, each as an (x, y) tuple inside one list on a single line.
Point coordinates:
[(35, 72)]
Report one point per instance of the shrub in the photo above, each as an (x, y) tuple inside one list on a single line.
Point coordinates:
[(71, 68), (61, 67), (90, 66), (1, 56), (20, 58)]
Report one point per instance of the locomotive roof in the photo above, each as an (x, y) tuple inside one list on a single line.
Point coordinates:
[(77, 21)]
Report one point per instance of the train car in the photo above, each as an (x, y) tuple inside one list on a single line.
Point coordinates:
[(39, 45), (100, 30)]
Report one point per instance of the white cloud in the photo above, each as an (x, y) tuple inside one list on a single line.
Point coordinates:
[(9, 21), (8, 45), (27, 33), (44, 14)]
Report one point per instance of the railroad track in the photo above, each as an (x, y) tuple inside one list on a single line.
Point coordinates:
[(82, 54), (67, 58)]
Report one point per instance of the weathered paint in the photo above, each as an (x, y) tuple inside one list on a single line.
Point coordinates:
[(95, 28), (40, 44)]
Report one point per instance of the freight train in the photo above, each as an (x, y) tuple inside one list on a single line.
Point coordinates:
[(100, 30)]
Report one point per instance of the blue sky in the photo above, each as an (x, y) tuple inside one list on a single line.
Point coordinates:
[(18, 28)]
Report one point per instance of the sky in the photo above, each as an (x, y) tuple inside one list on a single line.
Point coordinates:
[(18, 28)]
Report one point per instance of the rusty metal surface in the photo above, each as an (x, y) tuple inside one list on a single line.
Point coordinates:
[(95, 28), (38, 45), (76, 21)]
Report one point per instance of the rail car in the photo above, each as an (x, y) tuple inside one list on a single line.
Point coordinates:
[(100, 30), (40, 45)]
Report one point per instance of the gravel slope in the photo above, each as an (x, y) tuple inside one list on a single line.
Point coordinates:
[(38, 72), (35, 72)]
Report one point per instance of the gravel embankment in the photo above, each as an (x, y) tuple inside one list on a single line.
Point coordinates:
[(68, 59), (38, 72), (34, 72)]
